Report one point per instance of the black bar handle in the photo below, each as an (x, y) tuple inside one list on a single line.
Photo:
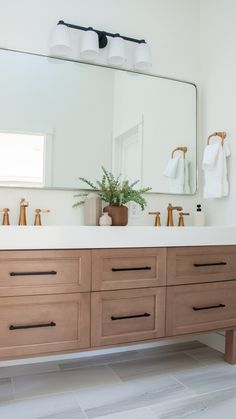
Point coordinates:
[(197, 265), (142, 268), (32, 273), (208, 308), (134, 316), (32, 326)]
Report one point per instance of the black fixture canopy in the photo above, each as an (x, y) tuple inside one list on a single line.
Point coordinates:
[(102, 35)]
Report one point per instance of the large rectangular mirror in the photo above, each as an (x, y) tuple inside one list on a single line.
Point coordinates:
[(63, 119)]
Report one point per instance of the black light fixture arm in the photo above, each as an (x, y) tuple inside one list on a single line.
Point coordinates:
[(102, 35)]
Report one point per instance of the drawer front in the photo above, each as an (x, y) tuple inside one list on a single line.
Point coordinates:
[(43, 324), (44, 271), (128, 268), (201, 307), (201, 264), (127, 316)]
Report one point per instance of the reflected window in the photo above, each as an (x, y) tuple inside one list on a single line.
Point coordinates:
[(22, 159)]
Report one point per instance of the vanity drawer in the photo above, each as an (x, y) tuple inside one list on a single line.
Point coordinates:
[(44, 271), (127, 316), (128, 268), (43, 324), (187, 265), (200, 307)]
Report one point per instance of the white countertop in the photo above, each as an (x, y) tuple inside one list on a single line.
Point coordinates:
[(81, 237)]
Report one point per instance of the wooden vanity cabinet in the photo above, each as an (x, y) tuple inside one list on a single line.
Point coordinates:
[(54, 301), (193, 265), (30, 272), (39, 324), (115, 269), (127, 316)]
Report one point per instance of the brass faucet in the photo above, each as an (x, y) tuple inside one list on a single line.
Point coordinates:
[(5, 218), (181, 218), (157, 218), (38, 221), (23, 205), (170, 210)]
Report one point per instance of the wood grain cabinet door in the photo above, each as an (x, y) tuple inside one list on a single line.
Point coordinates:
[(200, 307), (44, 324), (127, 316), (128, 268), (186, 265), (26, 272)]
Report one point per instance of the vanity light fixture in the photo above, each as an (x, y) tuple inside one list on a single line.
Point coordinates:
[(94, 39)]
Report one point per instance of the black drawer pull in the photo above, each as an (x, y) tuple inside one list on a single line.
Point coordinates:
[(32, 273), (208, 308), (144, 268), (135, 316), (32, 326), (197, 265)]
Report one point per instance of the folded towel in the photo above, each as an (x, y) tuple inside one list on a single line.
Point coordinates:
[(171, 168), (177, 170), (216, 179)]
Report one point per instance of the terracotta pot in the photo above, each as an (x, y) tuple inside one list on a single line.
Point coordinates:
[(118, 213)]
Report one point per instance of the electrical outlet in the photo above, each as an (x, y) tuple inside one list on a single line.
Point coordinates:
[(134, 210)]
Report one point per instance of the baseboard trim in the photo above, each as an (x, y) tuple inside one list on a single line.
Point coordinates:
[(213, 340)]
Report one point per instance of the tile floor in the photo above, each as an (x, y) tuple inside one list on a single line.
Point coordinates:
[(187, 380)]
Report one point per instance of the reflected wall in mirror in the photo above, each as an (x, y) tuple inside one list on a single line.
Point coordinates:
[(63, 119)]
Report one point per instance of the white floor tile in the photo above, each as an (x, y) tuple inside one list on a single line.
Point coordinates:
[(43, 408), (19, 370), (216, 405), (59, 382), (6, 389), (153, 366), (134, 414), (101, 401)]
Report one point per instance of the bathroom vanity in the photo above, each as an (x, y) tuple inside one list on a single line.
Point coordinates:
[(65, 289)]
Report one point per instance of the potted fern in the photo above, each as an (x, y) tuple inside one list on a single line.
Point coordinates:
[(116, 193)]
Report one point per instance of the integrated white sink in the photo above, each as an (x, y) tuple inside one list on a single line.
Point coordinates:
[(72, 237)]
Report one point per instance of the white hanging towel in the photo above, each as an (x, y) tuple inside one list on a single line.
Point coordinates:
[(215, 170), (171, 168), (177, 170)]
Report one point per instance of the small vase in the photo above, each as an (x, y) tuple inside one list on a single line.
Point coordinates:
[(118, 213), (105, 220)]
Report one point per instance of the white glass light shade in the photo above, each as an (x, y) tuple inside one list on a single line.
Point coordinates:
[(116, 54), (61, 43), (142, 59), (89, 46)]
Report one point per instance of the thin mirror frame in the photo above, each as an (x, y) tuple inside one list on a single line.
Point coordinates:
[(126, 70)]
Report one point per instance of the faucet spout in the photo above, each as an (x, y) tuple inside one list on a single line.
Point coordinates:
[(23, 205), (170, 210)]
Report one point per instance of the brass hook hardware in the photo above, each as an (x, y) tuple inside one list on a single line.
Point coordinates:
[(37, 221), (157, 218), (5, 218), (183, 149), (222, 135)]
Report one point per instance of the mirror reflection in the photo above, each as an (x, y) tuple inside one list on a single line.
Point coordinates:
[(63, 119)]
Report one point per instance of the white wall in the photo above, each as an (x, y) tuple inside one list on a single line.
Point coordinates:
[(218, 91), (170, 26)]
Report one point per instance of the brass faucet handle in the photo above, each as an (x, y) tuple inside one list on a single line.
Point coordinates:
[(157, 218), (181, 218), (37, 221), (39, 210), (5, 218)]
